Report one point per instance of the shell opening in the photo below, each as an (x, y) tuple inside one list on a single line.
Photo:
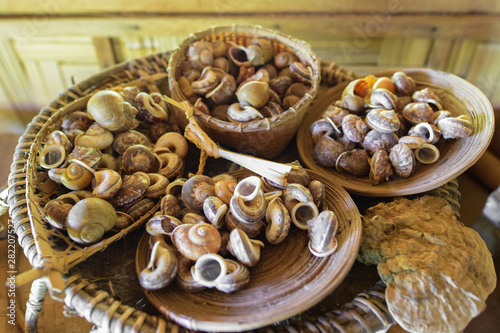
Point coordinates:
[(209, 270), (248, 188), (303, 212), (427, 154)]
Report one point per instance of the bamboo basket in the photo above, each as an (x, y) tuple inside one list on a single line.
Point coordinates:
[(456, 155), (267, 137)]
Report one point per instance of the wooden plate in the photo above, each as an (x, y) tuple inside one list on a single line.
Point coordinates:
[(286, 281), (456, 156)]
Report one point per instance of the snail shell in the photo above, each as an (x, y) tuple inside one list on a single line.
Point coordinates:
[(192, 218), (455, 128), (246, 250), (59, 138), (95, 137), (335, 114), (413, 142), (385, 83), (252, 229), (161, 269), (123, 220), (148, 109), (354, 161), (169, 205), (428, 96), (426, 131), (354, 128), (194, 240), (86, 156), (175, 188), (214, 210), (380, 167), (383, 120), (402, 159), (77, 120), (127, 139), (209, 270), (300, 203), (200, 54), (195, 190), (52, 156), (438, 115), (359, 87), (90, 219), (284, 59), (318, 193), (353, 103), (132, 189), (278, 221), (383, 98), (248, 203), (107, 161), (248, 188), (157, 186), (280, 84), (162, 225), (224, 189), (184, 279), (235, 112), (253, 93), (172, 165), (223, 93), (239, 55), (418, 113), (138, 158), (236, 278), (322, 232), (110, 110), (301, 73), (76, 177), (297, 174), (376, 140), (404, 84), (140, 208), (327, 151), (427, 154), (56, 211), (175, 142), (106, 184), (320, 128)]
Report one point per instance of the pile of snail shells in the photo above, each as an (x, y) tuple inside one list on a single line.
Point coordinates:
[(113, 161), (384, 126), (211, 230), (238, 83)]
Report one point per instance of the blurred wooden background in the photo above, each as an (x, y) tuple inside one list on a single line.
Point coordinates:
[(45, 45)]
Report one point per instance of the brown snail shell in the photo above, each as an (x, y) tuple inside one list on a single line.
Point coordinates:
[(246, 250), (161, 269), (413, 142), (195, 190), (318, 193), (138, 158), (280, 84), (175, 142), (76, 177), (223, 93), (251, 229), (90, 219), (418, 113), (354, 161), (455, 127), (169, 205), (86, 156), (209, 269), (140, 208), (253, 93), (320, 128), (77, 120), (383, 98), (236, 278), (106, 184), (322, 232), (214, 210), (192, 218), (107, 161), (128, 93), (172, 165), (327, 151), (157, 186), (301, 73), (200, 54), (52, 156), (236, 112), (376, 140), (59, 138), (278, 221), (298, 174), (300, 203), (402, 159), (284, 59), (354, 128), (132, 189), (335, 114), (428, 96), (126, 139), (207, 82), (248, 211), (184, 279), (405, 85), (383, 120), (162, 225), (148, 109), (56, 211), (380, 167), (110, 110), (438, 115), (239, 56), (194, 240), (352, 103), (175, 188), (224, 189), (95, 137)]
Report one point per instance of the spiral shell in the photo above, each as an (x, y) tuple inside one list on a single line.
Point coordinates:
[(418, 113), (209, 270), (161, 269), (224, 189), (76, 177), (76, 121), (86, 156), (383, 120), (126, 139), (236, 112), (214, 210), (428, 96), (326, 152), (383, 98), (359, 87), (322, 232), (162, 225), (252, 229), (236, 278), (320, 128), (157, 186), (175, 142), (169, 205), (184, 278), (106, 184), (246, 250), (278, 221), (354, 161), (300, 203), (455, 128), (195, 190), (354, 128), (110, 110), (427, 154), (56, 211), (376, 140), (132, 189), (404, 84), (253, 93), (140, 208), (148, 109), (353, 103), (172, 165), (52, 156), (194, 240), (90, 219), (318, 193), (138, 158), (402, 159), (380, 167), (95, 137)]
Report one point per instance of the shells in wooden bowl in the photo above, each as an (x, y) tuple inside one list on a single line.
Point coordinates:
[(455, 155)]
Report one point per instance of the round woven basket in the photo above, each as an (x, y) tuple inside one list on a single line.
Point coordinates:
[(267, 137), (456, 155)]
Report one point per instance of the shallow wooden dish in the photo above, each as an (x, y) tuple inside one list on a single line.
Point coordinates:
[(456, 156), (287, 280)]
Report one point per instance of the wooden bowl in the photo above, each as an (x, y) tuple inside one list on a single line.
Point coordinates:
[(287, 280), (456, 156)]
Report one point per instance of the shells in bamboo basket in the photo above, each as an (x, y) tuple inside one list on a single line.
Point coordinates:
[(287, 280), (455, 155), (267, 136)]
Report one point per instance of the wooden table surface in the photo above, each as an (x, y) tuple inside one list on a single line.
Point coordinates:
[(52, 319)]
